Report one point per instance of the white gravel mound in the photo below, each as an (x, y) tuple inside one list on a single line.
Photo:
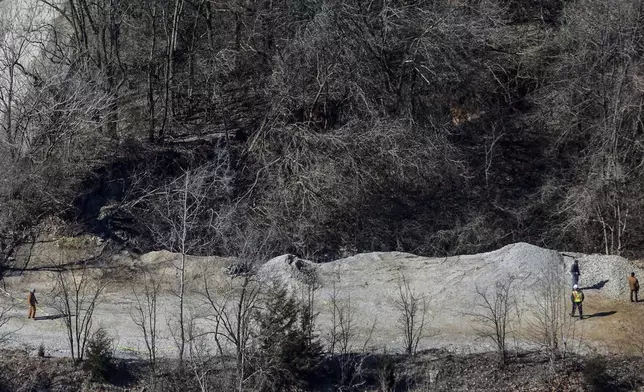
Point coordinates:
[(524, 261), (444, 278)]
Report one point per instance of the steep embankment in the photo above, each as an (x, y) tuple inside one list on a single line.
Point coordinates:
[(366, 286)]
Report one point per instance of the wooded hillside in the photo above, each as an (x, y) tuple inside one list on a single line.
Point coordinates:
[(325, 127)]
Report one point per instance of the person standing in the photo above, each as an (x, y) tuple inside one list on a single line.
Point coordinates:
[(577, 298), (32, 301), (574, 271), (634, 285)]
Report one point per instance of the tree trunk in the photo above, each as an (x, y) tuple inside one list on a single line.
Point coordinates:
[(9, 114), (151, 122), (182, 271), (169, 66)]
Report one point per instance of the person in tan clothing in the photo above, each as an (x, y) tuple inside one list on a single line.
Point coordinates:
[(32, 301), (634, 284)]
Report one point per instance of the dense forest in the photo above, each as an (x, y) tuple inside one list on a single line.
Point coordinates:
[(324, 127)]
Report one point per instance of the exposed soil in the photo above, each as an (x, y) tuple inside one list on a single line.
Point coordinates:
[(368, 282)]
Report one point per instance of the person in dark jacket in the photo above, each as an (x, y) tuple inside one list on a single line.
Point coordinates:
[(577, 298), (32, 301), (574, 271), (634, 285)]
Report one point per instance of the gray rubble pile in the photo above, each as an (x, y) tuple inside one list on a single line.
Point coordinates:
[(607, 274)]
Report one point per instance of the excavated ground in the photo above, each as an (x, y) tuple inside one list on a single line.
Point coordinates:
[(366, 284)]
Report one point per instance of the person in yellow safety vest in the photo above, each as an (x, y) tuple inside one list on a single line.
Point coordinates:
[(577, 298), (31, 299)]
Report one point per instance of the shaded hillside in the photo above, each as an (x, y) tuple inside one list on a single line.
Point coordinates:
[(329, 127)]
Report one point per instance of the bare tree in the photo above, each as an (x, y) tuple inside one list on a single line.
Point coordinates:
[(144, 312), (200, 355), (235, 301), (495, 312), (233, 304), (341, 338), (185, 221), (151, 75), (550, 301), (172, 18), (599, 203), (94, 38), (490, 154), (343, 329), (413, 311), (14, 46), (47, 116), (77, 293)]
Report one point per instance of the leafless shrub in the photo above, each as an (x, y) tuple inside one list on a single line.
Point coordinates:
[(77, 293), (343, 329), (413, 312), (200, 357), (386, 375), (341, 338), (232, 303), (550, 299), (144, 312), (495, 312)]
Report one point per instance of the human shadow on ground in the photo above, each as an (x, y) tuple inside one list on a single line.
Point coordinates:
[(600, 314), (596, 286), (51, 317)]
